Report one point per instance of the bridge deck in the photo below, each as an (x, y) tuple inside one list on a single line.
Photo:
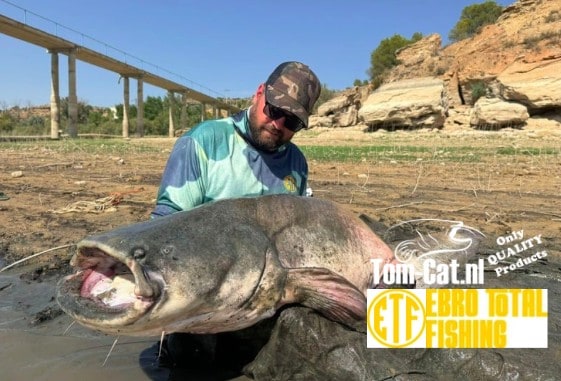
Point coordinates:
[(53, 43)]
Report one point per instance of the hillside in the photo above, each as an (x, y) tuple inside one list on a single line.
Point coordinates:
[(517, 61), (528, 31)]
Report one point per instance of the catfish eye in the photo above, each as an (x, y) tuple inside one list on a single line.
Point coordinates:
[(138, 253), (166, 250)]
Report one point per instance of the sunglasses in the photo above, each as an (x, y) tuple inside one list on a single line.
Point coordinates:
[(291, 121)]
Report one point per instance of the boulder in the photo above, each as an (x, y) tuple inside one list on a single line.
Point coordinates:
[(342, 110), (496, 113), (347, 118), (537, 85), (411, 103), (416, 54), (422, 58), (335, 104), (320, 121)]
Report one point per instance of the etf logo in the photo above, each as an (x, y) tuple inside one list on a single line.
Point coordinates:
[(396, 318), (457, 318)]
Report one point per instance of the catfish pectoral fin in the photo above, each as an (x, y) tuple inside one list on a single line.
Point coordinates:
[(325, 291)]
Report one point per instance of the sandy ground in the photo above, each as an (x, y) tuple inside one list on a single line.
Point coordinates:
[(65, 194), (495, 194)]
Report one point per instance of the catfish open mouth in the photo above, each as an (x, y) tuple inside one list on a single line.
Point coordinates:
[(113, 286)]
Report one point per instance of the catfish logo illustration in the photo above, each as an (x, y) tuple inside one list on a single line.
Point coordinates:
[(457, 239), (432, 251)]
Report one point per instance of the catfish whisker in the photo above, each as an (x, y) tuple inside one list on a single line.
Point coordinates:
[(161, 344), (68, 328), (33, 256), (110, 351)]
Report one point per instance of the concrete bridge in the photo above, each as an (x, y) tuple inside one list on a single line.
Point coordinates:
[(56, 45)]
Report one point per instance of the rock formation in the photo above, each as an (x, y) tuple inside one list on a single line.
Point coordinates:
[(515, 64), (418, 102)]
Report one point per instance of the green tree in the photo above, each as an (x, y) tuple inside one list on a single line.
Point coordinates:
[(133, 111), (96, 118), (153, 108), (240, 103), (359, 82), (416, 37), (84, 110), (7, 122), (384, 57), (120, 108), (473, 18)]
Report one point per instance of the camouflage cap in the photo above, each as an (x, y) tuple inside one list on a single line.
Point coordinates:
[(293, 87)]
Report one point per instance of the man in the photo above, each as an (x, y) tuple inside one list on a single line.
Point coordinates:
[(248, 154)]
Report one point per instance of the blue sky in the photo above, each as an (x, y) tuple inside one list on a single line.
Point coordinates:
[(219, 47)]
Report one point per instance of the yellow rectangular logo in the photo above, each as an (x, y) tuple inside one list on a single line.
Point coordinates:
[(457, 318)]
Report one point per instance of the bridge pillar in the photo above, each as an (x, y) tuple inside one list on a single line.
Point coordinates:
[(183, 118), (171, 108), (72, 97), (203, 112), (126, 106), (140, 107), (55, 97)]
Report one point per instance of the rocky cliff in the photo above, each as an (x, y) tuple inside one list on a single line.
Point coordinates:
[(507, 73)]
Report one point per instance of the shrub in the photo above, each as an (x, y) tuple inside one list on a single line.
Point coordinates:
[(478, 90)]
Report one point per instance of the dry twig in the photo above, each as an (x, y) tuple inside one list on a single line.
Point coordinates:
[(105, 204), (66, 164), (418, 178), (400, 206)]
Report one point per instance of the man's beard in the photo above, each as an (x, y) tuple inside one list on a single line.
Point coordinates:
[(261, 142)]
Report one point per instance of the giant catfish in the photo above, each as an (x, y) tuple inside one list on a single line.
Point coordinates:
[(224, 266)]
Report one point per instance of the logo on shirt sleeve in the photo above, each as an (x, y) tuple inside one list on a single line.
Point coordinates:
[(290, 183)]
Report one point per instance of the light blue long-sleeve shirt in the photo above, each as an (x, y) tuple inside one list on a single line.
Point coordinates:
[(216, 160)]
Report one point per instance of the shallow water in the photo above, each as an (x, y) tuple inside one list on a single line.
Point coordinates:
[(38, 342), (31, 356)]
